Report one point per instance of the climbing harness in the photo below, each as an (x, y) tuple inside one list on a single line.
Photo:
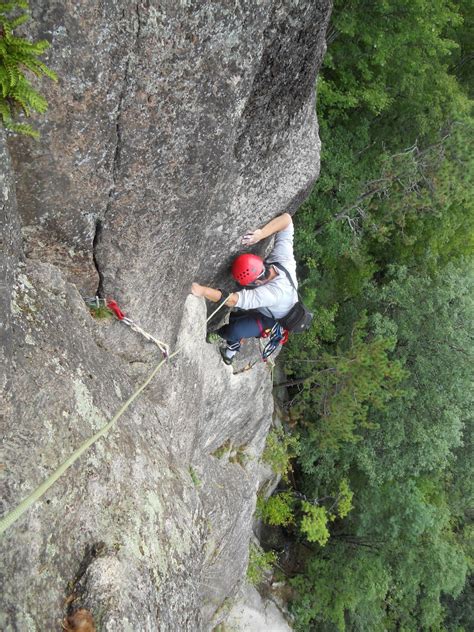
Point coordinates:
[(25, 504), (112, 305)]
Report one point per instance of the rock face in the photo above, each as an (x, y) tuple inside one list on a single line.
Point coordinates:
[(173, 128), (253, 612)]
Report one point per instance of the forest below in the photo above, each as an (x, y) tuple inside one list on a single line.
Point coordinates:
[(377, 488)]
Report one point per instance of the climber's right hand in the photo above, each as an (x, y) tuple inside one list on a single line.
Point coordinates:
[(252, 237)]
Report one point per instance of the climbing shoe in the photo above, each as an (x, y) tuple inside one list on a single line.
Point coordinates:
[(225, 357), (212, 338)]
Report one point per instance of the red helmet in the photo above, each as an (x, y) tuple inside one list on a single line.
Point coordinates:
[(247, 268)]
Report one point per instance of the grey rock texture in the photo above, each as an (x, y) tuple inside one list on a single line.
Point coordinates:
[(174, 127), (10, 255), (253, 613)]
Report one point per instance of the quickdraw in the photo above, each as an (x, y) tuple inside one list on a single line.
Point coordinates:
[(112, 305), (277, 335)]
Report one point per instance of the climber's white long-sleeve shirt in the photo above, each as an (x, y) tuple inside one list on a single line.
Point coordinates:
[(278, 296)]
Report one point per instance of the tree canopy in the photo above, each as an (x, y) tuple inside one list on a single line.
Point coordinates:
[(381, 389)]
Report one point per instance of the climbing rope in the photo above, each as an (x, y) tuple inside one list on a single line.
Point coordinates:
[(25, 504), (11, 517)]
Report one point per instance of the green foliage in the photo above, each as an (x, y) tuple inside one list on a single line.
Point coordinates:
[(397, 170), (314, 523), (390, 573), (17, 56), (385, 59), (259, 564), (422, 210), (434, 321), (338, 389), (344, 499), (459, 612), (100, 312), (412, 473), (194, 477), (381, 388), (462, 56), (341, 580), (277, 510), (280, 449), (287, 508)]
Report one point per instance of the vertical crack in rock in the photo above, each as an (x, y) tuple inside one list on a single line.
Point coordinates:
[(76, 587), (95, 242), (100, 222)]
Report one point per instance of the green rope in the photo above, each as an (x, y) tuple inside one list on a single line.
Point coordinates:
[(25, 504), (20, 509)]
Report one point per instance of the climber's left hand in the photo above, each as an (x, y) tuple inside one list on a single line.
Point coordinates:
[(197, 290)]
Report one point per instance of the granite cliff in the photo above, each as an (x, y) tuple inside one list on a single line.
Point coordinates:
[(174, 127)]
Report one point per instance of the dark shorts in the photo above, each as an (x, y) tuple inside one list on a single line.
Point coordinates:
[(245, 324)]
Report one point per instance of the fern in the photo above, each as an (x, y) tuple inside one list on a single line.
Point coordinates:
[(12, 71), (21, 128), (4, 82), (24, 93), (9, 6), (21, 19), (5, 110), (18, 55)]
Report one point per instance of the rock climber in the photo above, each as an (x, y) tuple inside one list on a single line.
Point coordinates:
[(267, 293)]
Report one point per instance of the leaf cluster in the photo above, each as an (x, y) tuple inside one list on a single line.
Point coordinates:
[(310, 516), (18, 56), (260, 562), (280, 449)]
